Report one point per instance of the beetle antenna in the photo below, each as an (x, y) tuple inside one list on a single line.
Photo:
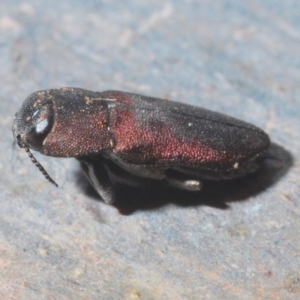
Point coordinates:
[(41, 168)]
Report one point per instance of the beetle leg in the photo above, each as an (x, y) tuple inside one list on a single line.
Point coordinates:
[(188, 184), (97, 174), (118, 175), (184, 182), (137, 170)]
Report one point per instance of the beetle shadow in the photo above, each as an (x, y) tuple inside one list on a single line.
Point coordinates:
[(216, 194)]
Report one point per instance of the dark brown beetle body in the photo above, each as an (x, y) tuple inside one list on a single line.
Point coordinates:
[(127, 138)]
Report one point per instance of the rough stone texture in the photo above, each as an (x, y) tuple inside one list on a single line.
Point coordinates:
[(235, 240)]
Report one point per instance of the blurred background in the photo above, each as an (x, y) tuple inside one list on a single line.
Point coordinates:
[(236, 240)]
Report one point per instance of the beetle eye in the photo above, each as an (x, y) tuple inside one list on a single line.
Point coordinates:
[(42, 122)]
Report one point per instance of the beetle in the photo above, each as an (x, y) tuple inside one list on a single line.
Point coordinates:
[(121, 137)]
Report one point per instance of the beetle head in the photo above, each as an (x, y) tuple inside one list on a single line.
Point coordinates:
[(32, 124)]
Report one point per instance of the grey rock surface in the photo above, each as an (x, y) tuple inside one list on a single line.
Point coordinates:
[(234, 240)]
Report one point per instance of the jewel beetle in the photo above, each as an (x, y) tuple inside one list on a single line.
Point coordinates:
[(129, 138)]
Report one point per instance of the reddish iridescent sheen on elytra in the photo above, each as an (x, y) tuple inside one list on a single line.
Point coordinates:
[(148, 131), (141, 143)]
